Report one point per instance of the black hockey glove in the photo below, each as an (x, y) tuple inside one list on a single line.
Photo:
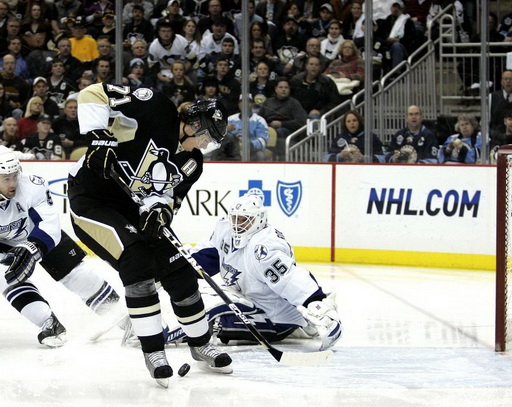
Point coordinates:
[(151, 222), (21, 260), (101, 154)]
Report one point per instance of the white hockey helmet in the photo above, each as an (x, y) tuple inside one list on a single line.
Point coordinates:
[(9, 163), (247, 216)]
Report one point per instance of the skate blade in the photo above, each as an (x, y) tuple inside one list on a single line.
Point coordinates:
[(164, 382), (55, 341), (205, 367)]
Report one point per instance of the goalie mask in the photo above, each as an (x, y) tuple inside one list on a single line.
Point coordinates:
[(247, 216), (208, 118)]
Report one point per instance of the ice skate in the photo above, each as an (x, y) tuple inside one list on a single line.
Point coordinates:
[(158, 367), (211, 359), (53, 333)]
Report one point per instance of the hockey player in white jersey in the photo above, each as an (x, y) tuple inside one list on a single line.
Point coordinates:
[(30, 233), (258, 268)]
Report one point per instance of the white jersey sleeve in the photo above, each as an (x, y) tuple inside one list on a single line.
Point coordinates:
[(30, 215)]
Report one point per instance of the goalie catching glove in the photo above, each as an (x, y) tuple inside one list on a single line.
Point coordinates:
[(159, 215), (101, 155), (324, 316), (21, 261)]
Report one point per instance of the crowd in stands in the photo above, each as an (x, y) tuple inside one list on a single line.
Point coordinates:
[(306, 57)]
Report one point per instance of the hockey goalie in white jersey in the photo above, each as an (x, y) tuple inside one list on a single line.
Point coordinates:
[(259, 271), (30, 233)]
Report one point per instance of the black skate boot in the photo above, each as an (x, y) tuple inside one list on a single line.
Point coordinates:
[(53, 333), (158, 367), (211, 359)]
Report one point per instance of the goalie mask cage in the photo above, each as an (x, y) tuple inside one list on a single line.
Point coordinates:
[(503, 328)]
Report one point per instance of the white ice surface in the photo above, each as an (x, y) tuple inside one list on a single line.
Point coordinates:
[(413, 337)]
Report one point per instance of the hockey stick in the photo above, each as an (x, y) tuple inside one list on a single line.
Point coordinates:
[(287, 358)]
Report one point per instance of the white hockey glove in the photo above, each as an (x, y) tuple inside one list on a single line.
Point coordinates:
[(21, 261), (324, 316)]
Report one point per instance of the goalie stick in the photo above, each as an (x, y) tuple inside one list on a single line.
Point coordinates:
[(286, 358)]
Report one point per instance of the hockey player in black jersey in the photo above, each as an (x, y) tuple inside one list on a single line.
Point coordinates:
[(156, 150)]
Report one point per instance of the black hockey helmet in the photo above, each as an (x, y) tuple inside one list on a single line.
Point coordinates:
[(207, 116)]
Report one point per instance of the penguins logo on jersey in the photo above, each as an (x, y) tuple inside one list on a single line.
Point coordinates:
[(155, 173)]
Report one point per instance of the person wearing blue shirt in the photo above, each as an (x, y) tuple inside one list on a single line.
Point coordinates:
[(464, 146)]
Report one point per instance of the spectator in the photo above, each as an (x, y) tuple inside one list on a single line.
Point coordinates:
[(353, 22), (229, 87), (16, 89), (288, 45), (137, 76), (59, 86), (190, 32), (83, 47), (40, 88), (180, 88), (262, 87), (209, 89), (82, 83), (330, 45), (259, 30), (320, 27), (253, 17), (105, 50), (107, 29), (5, 107), (283, 113), (14, 48), (258, 130), (28, 124), (64, 9), (464, 146), (500, 100), (166, 48), (172, 14), (102, 71), (44, 144), (207, 64), (414, 143), (294, 10), (214, 13), (211, 42), (12, 31), (128, 7), (298, 63), (315, 91), (399, 33), (502, 137), (99, 15), (349, 145), (9, 136), (258, 54), (229, 150), (347, 70), (35, 29), (271, 11), (138, 28), (73, 67), (418, 10), (4, 17), (66, 127)]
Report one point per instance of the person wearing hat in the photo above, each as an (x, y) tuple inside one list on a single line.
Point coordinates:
[(96, 13), (173, 14), (40, 88), (83, 47), (320, 27), (399, 35), (44, 143), (64, 10), (288, 45), (137, 76)]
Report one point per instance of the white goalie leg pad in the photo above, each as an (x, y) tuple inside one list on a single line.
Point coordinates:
[(324, 316)]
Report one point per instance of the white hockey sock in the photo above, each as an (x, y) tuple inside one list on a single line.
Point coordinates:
[(37, 312)]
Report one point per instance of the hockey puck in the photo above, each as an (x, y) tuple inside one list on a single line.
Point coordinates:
[(184, 369)]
